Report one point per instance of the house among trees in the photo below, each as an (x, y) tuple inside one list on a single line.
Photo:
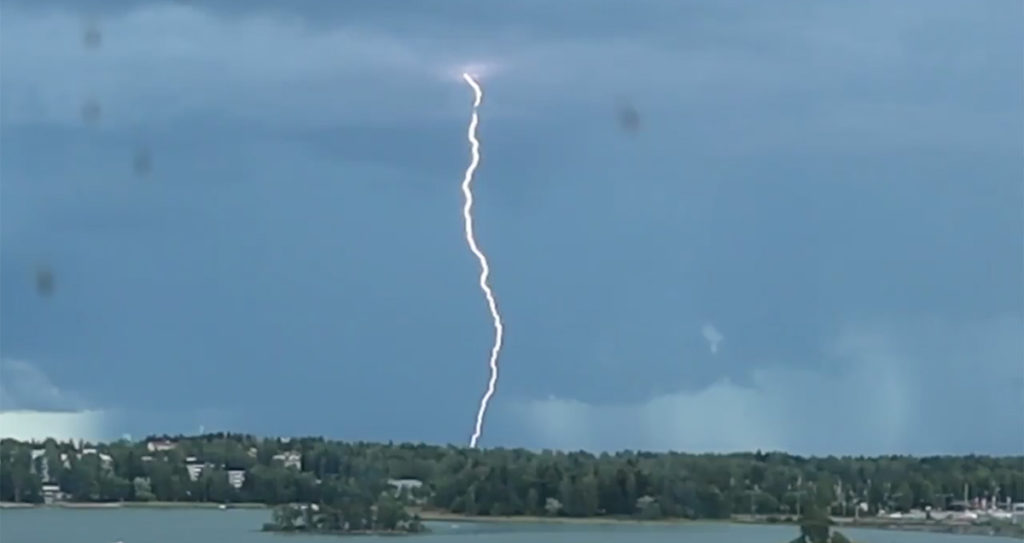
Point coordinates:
[(160, 445)]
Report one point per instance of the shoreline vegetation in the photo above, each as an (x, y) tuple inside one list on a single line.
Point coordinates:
[(428, 516), (317, 485)]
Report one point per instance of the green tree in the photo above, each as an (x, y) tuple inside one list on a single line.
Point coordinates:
[(471, 507), (215, 487), (82, 481), (142, 490), (389, 512), (903, 498), (25, 485), (285, 517), (567, 496), (589, 496), (111, 488), (815, 527)]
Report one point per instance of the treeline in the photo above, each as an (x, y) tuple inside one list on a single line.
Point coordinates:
[(508, 481)]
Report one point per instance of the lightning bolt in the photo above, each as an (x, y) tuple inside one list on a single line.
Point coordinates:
[(485, 270)]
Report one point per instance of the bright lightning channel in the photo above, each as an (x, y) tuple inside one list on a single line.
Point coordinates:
[(485, 270)]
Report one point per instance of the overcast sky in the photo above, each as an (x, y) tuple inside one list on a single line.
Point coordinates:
[(814, 241)]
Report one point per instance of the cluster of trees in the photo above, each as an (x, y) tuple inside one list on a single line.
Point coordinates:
[(513, 481), (357, 512)]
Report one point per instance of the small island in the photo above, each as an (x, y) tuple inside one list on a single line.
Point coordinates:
[(351, 515), (816, 527)]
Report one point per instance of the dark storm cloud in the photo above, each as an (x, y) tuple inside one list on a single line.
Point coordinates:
[(835, 186)]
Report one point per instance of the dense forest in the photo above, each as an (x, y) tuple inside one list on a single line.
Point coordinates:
[(497, 481)]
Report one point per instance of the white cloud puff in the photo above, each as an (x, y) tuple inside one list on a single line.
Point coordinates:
[(25, 386), (712, 336)]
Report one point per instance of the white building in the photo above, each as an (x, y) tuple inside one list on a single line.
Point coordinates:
[(106, 461), (40, 465), (236, 477), (408, 487), (52, 493), (405, 484), (160, 445), (290, 459), (195, 468)]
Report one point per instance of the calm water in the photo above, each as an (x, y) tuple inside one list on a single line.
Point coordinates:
[(240, 526)]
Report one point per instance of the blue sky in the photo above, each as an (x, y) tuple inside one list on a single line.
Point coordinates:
[(832, 190)]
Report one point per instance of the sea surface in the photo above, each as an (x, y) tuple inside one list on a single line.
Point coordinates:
[(128, 525)]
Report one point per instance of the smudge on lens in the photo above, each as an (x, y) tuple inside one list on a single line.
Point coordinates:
[(92, 38), (44, 281), (91, 111), (628, 117), (142, 163)]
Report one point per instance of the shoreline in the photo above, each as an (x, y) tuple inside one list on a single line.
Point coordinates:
[(343, 533), (443, 516), (996, 529), (840, 524), (132, 505)]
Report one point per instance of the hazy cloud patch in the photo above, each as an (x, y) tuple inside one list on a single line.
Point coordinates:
[(33, 407), (880, 389), (274, 67), (24, 386), (260, 129)]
